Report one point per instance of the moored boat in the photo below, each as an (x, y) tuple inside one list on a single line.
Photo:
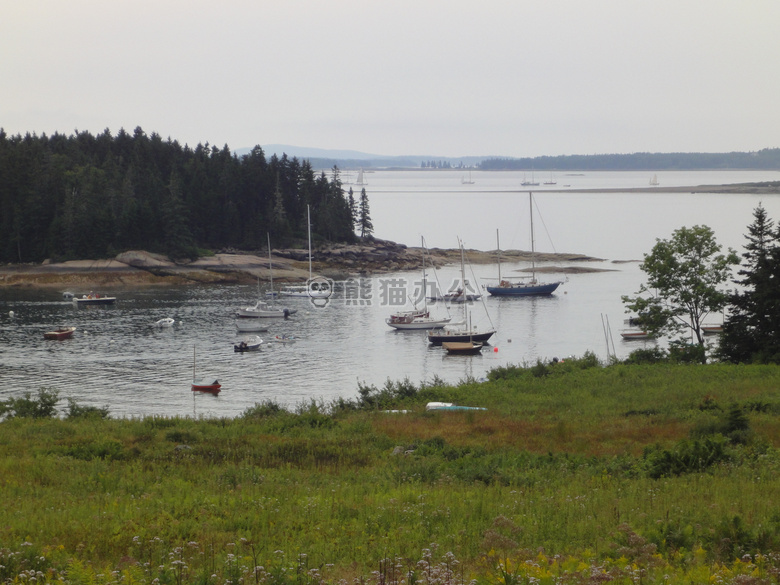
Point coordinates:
[(94, 299), (635, 335), (59, 333), (251, 344), (463, 347)]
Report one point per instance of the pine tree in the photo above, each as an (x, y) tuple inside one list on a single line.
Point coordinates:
[(751, 333), (366, 227)]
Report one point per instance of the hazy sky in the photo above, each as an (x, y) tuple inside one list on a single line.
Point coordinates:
[(443, 78)]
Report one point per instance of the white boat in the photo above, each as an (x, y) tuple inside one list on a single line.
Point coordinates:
[(463, 331), (164, 323), (94, 299), (250, 344), (506, 287), (466, 181), (417, 319), (654, 181), (637, 334), (251, 325), (264, 310), (312, 289), (551, 181)]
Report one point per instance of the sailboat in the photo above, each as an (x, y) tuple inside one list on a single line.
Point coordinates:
[(531, 183), (654, 181), (417, 318), (200, 385), (551, 181), (468, 181), (529, 287), (314, 290), (360, 180), (461, 332)]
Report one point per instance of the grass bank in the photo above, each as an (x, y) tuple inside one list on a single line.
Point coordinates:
[(574, 473)]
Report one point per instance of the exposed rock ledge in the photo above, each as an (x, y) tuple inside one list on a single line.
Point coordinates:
[(135, 268)]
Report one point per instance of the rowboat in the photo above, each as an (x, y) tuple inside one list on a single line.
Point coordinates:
[(201, 385), (59, 333), (463, 347), (633, 335)]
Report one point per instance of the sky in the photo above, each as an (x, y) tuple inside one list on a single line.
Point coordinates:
[(442, 78)]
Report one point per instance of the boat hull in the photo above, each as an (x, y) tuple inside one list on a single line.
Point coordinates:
[(418, 324), (210, 387), (523, 290), (463, 347), (439, 337), (94, 301), (62, 333)]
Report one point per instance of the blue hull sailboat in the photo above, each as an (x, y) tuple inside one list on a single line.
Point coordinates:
[(530, 287)]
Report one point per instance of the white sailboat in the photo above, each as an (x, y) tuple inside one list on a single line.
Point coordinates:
[(418, 318), (505, 287), (314, 290), (654, 181), (468, 181)]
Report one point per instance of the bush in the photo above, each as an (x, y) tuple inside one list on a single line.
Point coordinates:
[(45, 406)]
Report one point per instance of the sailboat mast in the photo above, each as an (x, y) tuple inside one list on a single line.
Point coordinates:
[(498, 252), (270, 264), (308, 227), (425, 286), (533, 251)]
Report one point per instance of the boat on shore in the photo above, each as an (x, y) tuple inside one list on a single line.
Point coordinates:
[(60, 333)]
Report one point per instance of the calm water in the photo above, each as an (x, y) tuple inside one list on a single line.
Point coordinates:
[(118, 359)]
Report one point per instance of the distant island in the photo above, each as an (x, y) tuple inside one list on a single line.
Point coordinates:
[(768, 159)]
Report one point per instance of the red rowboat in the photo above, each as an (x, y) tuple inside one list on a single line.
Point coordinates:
[(59, 333)]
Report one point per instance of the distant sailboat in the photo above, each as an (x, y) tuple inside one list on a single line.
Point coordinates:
[(551, 181), (468, 181), (654, 181), (360, 180), (531, 183)]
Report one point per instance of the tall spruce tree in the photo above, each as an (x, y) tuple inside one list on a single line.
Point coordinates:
[(751, 332), (366, 227)]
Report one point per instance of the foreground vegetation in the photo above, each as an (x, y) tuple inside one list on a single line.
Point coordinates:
[(574, 473)]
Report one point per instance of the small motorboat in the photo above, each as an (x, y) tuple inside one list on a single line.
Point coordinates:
[(60, 333), (463, 347), (251, 344), (94, 299), (165, 322)]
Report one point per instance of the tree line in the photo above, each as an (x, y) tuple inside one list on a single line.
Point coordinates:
[(768, 158), (84, 196), (686, 278)]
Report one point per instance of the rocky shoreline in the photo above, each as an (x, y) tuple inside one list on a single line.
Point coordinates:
[(337, 261)]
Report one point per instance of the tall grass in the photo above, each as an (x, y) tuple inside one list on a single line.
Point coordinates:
[(573, 470)]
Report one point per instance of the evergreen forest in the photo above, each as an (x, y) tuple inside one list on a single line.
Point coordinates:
[(85, 196)]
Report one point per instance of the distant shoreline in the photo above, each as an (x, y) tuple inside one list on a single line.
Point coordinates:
[(139, 268)]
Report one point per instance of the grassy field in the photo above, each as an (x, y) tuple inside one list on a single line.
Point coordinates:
[(574, 473)]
